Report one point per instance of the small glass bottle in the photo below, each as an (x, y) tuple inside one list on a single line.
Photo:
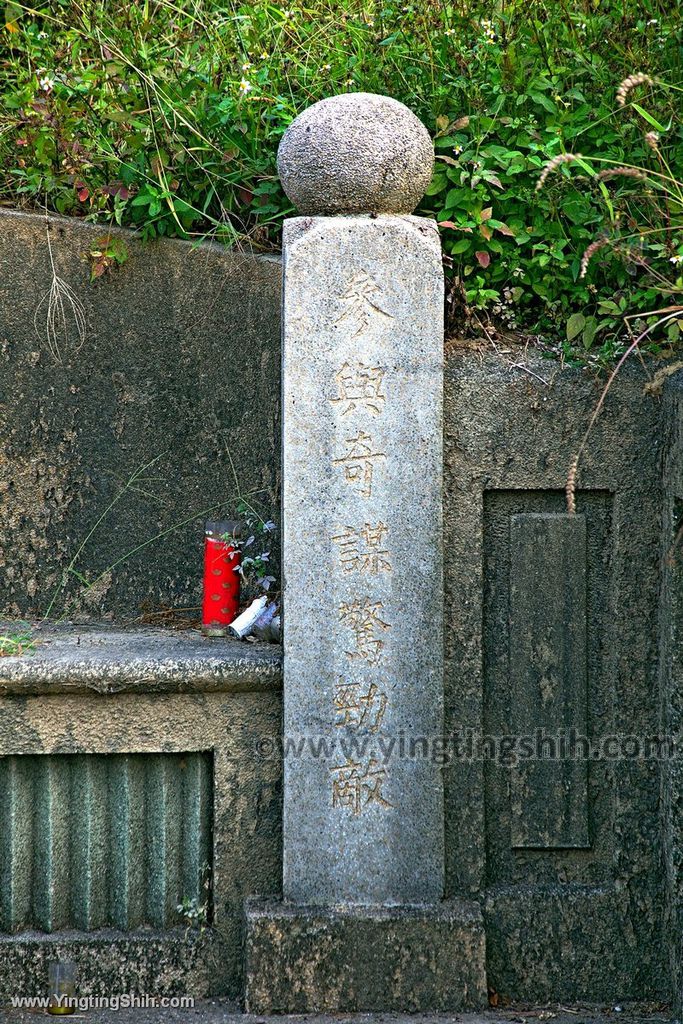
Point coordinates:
[(62, 982)]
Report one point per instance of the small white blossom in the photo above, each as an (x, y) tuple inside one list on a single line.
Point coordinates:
[(676, 259), (246, 66), (47, 83), (449, 32), (245, 86), (488, 30)]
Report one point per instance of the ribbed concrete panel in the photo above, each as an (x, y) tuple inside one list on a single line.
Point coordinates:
[(94, 841)]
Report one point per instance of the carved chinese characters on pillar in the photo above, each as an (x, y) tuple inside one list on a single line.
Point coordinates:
[(363, 301), (362, 616), (356, 786), (360, 386), (364, 547), (363, 550), (356, 709), (359, 462)]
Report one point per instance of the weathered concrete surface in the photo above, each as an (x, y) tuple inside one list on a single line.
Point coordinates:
[(671, 678), (171, 963), (547, 659), (178, 372), (218, 1011), (362, 558), (510, 436), (246, 795), (509, 441), (344, 960), (69, 658)]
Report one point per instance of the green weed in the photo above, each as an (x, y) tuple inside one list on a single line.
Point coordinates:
[(165, 116)]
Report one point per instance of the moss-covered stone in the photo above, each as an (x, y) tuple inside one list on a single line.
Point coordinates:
[(303, 960)]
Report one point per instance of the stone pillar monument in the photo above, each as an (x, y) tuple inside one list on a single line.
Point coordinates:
[(363, 924)]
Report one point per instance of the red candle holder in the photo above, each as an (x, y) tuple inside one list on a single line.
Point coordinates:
[(221, 602)]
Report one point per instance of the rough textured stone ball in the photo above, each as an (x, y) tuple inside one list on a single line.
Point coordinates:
[(356, 153)]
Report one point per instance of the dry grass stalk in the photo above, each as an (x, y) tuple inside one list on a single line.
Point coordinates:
[(630, 83), (570, 487), (64, 311), (667, 314), (622, 172), (552, 165), (594, 247)]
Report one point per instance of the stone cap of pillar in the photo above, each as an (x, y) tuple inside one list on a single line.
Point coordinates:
[(357, 153)]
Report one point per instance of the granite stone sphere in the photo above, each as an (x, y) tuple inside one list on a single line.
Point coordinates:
[(356, 153)]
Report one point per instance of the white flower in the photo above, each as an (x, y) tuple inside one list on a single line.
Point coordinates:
[(326, 67), (488, 30), (42, 35), (47, 83), (676, 259), (449, 32), (246, 66), (265, 55), (245, 86), (457, 150)]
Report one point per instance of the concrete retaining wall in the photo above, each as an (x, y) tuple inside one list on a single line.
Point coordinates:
[(181, 361), (178, 372)]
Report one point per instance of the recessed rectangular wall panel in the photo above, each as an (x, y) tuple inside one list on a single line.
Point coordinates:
[(104, 840), (547, 675)]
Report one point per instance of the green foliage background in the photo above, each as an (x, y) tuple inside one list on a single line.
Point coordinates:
[(166, 116)]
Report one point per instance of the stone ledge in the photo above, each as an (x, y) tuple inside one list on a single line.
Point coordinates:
[(108, 659), (313, 959), (175, 962)]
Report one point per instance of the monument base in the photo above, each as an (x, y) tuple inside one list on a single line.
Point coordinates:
[(317, 959)]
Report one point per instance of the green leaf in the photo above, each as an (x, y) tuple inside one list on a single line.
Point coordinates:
[(589, 331), (648, 117), (461, 246), (575, 325), (544, 101)]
